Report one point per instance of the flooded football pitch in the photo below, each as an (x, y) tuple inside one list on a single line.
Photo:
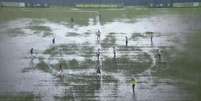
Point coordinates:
[(26, 77)]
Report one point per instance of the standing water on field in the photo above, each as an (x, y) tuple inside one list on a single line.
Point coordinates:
[(35, 77)]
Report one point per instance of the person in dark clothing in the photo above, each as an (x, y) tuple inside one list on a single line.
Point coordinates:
[(151, 37), (72, 20), (98, 66), (98, 69), (98, 54), (114, 52), (31, 51), (133, 81), (60, 68), (126, 41), (53, 41)]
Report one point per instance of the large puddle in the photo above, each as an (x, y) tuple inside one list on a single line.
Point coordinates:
[(35, 77)]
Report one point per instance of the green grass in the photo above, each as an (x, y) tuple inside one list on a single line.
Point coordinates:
[(75, 64), (135, 36), (62, 49), (44, 30), (72, 34), (126, 64), (109, 41), (80, 16), (87, 51), (52, 14), (43, 66), (15, 32), (98, 6), (19, 97), (39, 28), (46, 34), (69, 49), (87, 86), (185, 66)]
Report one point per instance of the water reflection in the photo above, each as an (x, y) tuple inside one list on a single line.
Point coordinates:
[(134, 96), (80, 81), (98, 82)]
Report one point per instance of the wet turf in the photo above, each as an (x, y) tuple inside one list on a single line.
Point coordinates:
[(76, 47)]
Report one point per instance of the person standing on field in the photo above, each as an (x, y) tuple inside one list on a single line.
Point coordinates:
[(31, 51), (133, 82), (53, 41), (126, 41), (114, 52)]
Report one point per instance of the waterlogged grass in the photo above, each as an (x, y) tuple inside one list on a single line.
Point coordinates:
[(72, 34), (40, 28), (19, 97), (52, 51), (127, 64), (37, 29), (88, 63), (87, 51), (37, 21), (62, 49), (57, 14), (14, 32), (81, 16), (87, 33), (44, 30), (182, 11), (136, 36), (46, 34), (124, 63), (109, 41), (85, 86), (108, 15), (70, 49), (185, 65), (43, 66), (73, 64), (129, 48)]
